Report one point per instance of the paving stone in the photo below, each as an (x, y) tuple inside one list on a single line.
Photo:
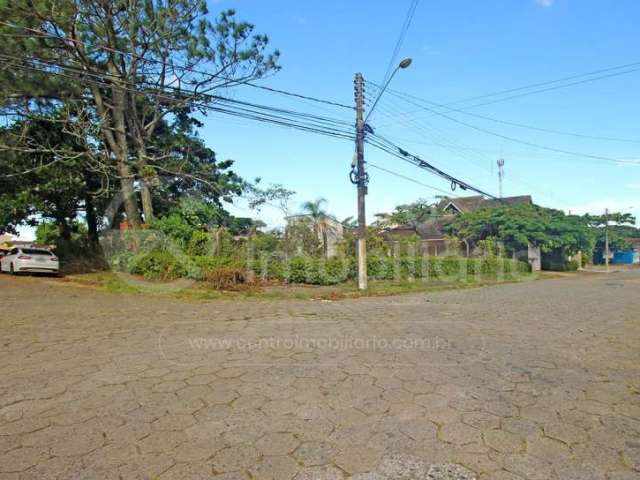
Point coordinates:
[(503, 441), (20, 459), (239, 457), (403, 467), (188, 471), (96, 390), (325, 472), (459, 434), (312, 454), (277, 444), (274, 468), (357, 459), (78, 443), (528, 466), (481, 420), (173, 422)]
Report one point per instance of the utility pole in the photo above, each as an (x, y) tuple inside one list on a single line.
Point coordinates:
[(500, 174), (606, 238), (360, 179)]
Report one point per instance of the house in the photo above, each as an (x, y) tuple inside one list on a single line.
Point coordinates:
[(328, 230), (630, 256), (433, 231), (478, 202)]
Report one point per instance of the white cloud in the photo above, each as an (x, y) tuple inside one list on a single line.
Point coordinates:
[(545, 3)]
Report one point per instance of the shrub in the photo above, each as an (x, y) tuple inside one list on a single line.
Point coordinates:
[(200, 243), (554, 265), (157, 265), (572, 265), (199, 265), (174, 226), (227, 278)]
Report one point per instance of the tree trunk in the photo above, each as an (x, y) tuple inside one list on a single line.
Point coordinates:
[(92, 221), (325, 243), (64, 230), (145, 187), (128, 195), (126, 177)]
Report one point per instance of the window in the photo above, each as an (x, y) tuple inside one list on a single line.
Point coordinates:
[(35, 251)]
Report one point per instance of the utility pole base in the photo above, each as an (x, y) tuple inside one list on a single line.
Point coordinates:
[(362, 263)]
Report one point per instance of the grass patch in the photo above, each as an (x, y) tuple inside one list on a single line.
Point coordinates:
[(128, 284)]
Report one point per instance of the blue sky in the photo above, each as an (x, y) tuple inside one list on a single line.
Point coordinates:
[(460, 49)]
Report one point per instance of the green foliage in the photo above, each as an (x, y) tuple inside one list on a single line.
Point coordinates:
[(269, 242), (412, 214), (442, 268), (557, 261), (200, 243), (159, 152), (274, 194), (488, 246), (176, 227), (301, 238), (376, 244), (519, 225), (317, 271), (157, 265), (48, 233), (198, 266)]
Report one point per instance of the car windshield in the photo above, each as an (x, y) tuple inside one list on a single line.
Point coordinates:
[(33, 251)]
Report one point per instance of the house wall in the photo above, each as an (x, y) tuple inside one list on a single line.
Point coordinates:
[(534, 255)]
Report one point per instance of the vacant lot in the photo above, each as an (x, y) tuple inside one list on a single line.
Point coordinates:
[(537, 380)]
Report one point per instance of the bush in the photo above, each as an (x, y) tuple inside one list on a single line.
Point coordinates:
[(560, 265), (309, 270), (199, 265), (200, 243), (227, 278), (157, 265)]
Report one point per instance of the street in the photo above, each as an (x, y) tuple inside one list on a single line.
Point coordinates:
[(531, 380)]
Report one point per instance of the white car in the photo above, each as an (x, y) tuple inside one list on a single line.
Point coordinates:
[(29, 260)]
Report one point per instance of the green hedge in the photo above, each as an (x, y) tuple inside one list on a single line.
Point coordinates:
[(157, 264), (332, 271), (163, 264)]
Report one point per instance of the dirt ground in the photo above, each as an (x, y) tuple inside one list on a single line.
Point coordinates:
[(533, 380)]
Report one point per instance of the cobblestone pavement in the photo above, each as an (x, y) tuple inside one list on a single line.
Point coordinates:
[(537, 380)]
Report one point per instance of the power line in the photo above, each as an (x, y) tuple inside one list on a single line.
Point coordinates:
[(278, 116), (180, 94), (403, 33), (298, 95), (516, 140), (175, 66), (393, 149), (540, 84), (155, 92), (413, 180), (457, 149), (506, 122)]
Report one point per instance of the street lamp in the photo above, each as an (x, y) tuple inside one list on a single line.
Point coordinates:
[(403, 64)]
